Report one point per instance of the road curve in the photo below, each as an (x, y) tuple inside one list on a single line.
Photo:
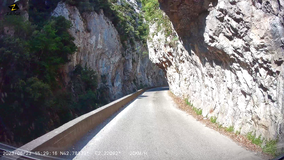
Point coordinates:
[(152, 127)]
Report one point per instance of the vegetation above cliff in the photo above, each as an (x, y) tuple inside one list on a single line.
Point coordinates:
[(129, 24), (154, 15), (127, 21)]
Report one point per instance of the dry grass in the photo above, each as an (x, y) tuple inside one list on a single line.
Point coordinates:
[(239, 139)]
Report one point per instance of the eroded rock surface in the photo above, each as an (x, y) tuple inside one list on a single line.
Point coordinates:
[(99, 48), (229, 60)]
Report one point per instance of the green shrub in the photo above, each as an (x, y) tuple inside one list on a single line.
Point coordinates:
[(30, 77), (89, 77), (21, 27), (197, 111), (51, 47), (84, 85), (188, 103), (40, 12), (258, 141), (61, 105), (270, 147), (213, 119), (88, 102), (230, 129), (252, 137)]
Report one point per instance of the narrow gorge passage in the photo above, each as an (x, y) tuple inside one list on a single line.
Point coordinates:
[(152, 127), (63, 59)]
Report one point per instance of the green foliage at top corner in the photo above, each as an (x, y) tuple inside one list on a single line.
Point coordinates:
[(151, 9), (127, 21), (154, 15), (40, 11)]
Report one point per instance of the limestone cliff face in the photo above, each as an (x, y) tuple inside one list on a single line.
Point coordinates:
[(99, 47), (228, 61)]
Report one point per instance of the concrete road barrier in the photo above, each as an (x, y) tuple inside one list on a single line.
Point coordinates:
[(67, 135)]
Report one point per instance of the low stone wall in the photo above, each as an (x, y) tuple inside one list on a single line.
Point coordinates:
[(67, 135)]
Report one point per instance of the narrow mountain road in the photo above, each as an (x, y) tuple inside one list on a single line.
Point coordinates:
[(152, 127)]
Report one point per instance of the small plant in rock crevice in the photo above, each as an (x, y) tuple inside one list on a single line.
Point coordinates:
[(213, 119), (154, 15), (197, 111), (270, 147), (230, 129), (255, 140), (188, 103)]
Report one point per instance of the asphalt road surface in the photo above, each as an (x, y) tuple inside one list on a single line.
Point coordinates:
[(152, 127)]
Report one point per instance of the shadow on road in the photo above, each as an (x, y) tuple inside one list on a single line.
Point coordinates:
[(141, 97), (158, 89)]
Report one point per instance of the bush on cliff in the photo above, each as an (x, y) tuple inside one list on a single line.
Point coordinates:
[(153, 14)]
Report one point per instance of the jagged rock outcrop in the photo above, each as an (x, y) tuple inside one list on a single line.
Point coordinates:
[(99, 47), (229, 60)]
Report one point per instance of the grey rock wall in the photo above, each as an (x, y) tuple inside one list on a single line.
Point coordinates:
[(99, 48), (228, 61)]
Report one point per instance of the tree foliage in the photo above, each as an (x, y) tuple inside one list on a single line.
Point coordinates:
[(40, 11), (51, 47), (153, 14), (33, 99)]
